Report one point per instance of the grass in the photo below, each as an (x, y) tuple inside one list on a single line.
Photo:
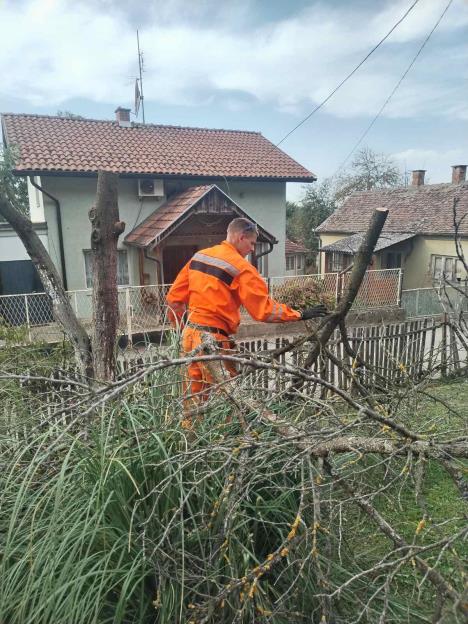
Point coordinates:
[(128, 519)]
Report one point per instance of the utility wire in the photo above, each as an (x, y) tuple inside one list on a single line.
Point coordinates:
[(369, 127), (332, 93)]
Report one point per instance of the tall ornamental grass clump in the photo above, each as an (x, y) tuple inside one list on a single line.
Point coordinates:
[(126, 517)]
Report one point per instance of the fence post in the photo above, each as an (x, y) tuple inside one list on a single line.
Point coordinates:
[(400, 286), (443, 354), (416, 305), (26, 309), (337, 281), (269, 286), (128, 310), (75, 303)]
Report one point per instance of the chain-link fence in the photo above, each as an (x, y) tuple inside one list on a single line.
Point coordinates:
[(427, 302), (379, 289), (143, 308), (323, 284)]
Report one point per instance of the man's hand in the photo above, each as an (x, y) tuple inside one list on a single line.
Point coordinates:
[(315, 312)]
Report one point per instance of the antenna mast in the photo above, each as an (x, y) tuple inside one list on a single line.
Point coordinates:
[(140, 66)]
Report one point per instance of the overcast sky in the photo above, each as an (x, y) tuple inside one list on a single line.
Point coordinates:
[(252, 64)]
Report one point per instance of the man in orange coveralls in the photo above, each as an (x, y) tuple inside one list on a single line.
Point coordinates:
[(210, 289)]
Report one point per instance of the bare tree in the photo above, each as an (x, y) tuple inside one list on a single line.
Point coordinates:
[(98, 364), (61, 308), (369, 170), (106, 229)]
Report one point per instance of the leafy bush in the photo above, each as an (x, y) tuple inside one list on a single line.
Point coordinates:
[(304, 293)]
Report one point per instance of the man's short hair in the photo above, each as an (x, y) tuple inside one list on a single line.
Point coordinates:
[(242, 226)]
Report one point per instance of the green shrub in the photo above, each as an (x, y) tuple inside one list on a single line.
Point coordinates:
[(304, 293)]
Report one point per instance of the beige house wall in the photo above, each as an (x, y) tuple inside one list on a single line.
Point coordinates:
[(418, 268), (417, 256)]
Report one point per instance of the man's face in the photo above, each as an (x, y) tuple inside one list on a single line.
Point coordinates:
[(246, 243)]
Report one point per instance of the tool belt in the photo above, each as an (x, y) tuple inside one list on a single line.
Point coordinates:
[(208, 328)]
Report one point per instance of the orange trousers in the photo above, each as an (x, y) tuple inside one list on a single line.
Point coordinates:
[(199, 379)]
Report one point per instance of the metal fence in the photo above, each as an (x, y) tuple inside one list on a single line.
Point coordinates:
[(379, 288), (143, 308), (428, 302)]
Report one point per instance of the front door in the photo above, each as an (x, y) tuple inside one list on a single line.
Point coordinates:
[(174, 258)]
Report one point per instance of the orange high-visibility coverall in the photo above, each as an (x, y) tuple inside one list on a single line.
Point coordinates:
[(211, 287)]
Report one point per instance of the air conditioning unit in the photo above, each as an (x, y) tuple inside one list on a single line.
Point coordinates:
[(150, 188)]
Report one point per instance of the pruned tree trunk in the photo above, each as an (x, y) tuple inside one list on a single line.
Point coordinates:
[(106, 229), (61, 308), (361, 262)]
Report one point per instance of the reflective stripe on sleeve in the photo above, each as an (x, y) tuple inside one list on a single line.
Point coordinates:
[(272, 314)]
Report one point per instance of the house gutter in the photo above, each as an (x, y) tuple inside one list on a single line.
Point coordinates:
[(158, 264), (59, 227), (264, 253)]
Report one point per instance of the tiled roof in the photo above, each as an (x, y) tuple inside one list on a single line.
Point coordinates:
[(350, 244), (57, 144), (424, 209), (294, 248), (154, 227)]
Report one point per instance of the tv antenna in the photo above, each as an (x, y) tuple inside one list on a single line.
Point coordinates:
[(139, 98)]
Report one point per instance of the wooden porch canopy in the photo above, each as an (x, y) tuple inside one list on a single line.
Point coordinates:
[(196, 200)]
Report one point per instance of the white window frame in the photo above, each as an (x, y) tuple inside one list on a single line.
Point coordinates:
[(123, 279), (449, 268)]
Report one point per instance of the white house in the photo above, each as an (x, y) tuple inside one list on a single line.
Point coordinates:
[(178, 189)]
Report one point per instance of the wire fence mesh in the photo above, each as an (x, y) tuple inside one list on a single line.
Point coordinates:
[(143, 309), (379, 289), (427, 302)]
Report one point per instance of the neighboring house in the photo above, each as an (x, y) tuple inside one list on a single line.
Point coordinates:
[(178, 189), (296, 255), (418, 235)]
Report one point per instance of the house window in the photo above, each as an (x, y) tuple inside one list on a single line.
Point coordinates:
[(338, 261), (393, 260), (449, 268), (122, 268), (290, 263), (300, 262)]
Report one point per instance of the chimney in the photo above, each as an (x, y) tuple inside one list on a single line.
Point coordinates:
[(458, 174), (418, 177), (122, 115)]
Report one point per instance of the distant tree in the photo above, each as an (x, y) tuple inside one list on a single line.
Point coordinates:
[(13, 187), (368, 170), (68, 115), (303, 217)]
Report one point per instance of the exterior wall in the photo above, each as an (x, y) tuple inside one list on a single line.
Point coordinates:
[(263, 201), (416, 256), (11, 247), (36, 202), (417, 273)]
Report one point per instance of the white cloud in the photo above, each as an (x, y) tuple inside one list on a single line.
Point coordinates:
[(438, 164), (59, 50)]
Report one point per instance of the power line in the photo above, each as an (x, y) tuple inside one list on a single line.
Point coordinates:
[(367, 130), (332, 93)]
